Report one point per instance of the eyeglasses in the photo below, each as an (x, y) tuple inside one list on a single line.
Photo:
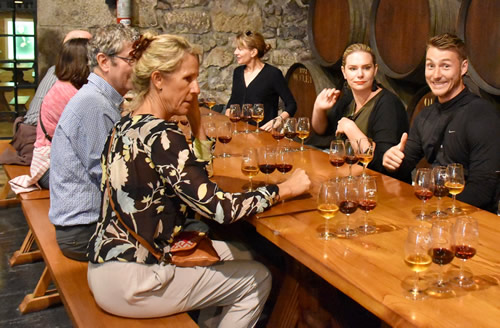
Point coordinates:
[(129, 61)]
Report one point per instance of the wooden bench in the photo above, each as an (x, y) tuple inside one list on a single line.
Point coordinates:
[(70, 279)]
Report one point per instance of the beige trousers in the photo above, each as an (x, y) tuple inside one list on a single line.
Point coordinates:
[(237, 284)]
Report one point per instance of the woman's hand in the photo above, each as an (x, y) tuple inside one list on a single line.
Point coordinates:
[(297, 184), (326, 99), (268, 126), (345, 126)]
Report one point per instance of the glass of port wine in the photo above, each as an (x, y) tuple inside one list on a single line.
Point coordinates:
[(440, 190), (303, 130), (250, 165), (418, 259), (224, 135), (267, 161), (210, 103), (350, 155), (455, 183), (367, 202), (290, 129), (258, 115), (235, 115), (441, 254), (284, 160), (465, 240), (278, 129), (327, 205), (337, 155), (246, 115), (365, 150), (348, 204), (423, 188)]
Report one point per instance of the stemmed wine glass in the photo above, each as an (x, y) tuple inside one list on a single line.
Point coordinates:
[(365, 150), (440, 190), (367, 202), (277, 130), (284, 160), (303, 130), (348, 204), (210, 102), (350, 155), (250, 164), (424, 189), (290, 128), (465, 241), (441, 254), (418, 259), (328, 198), (246, 114), (267, 161), (258, 114), (225, 134), (455, 183), (337, 155), (235, 115)]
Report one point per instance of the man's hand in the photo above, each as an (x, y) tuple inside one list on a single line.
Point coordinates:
[(394, 156)]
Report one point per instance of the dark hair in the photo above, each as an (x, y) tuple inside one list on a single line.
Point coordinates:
[(253, 40), (72, 62), (448, 41)]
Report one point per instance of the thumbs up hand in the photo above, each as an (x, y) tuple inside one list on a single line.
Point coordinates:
[(394, 156)]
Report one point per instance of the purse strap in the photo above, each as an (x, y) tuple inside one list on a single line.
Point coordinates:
[(159, 256), (42, 126)]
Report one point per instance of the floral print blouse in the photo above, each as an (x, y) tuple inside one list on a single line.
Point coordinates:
[(156, 182)]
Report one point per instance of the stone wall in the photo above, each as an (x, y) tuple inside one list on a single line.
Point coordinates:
[(212, 24)]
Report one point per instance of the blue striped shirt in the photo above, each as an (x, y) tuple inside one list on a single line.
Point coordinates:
[(77, 145)]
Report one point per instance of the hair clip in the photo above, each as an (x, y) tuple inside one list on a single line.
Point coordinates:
[(139, 46), (248, 33)]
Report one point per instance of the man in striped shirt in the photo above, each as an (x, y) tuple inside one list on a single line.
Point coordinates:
[(79, 138)]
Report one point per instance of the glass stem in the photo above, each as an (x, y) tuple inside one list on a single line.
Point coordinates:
[(257, 131), (422, 211), (350, 170), (415, 285), (453, 208), (251, 187), (440, 279), (302, 145)]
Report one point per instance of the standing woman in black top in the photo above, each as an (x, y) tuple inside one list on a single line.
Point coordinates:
[(255, 82)]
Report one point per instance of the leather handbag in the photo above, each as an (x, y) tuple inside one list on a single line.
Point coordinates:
[(189, 248)]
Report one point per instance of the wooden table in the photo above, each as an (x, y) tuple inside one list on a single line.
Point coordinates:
[(370, 269)]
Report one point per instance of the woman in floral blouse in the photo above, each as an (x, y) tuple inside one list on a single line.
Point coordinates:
[(156, 182)]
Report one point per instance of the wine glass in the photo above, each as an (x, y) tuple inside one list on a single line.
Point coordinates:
[(328, 198), (303, 130), (250, 164), (225, 134), (277, 130), (465, 241), (455, 183), (290, 128), (423, 188), (441, 254), (267, 161), (284, 160), (365, 150), (350, 155), (337, 155), (440, 190), (246, 114), (348, 204), (235, 115), (258, 114), (210, 102), (367, 202), (417, 257), (210, 129)]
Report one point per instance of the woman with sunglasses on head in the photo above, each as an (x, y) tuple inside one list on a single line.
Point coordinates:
[(256, 82), (364, 110), (153, 181)]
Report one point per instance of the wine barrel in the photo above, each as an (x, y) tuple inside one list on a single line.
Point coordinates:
[(306, 79), (479, 27), (399, 31), (335, 24)]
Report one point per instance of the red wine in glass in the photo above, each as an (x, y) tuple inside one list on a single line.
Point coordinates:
[(284, 168), (423, 194), (348, 206), (464, 252), (367, 204), (267, 168), (441, 256)]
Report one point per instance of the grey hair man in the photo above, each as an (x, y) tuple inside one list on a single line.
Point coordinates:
[(80, 136)]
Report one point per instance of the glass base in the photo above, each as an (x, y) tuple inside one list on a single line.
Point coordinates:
[(415, 291), (367, 229), (440, 290), (423, 217), (454, 210), (439, 214), (327, 235), (346, 232)]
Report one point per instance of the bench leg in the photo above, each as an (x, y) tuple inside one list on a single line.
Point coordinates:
[(41, 298), (25, 254), (4, 201)]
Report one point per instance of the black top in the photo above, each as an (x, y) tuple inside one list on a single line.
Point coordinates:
[(266, 88), (471, 138), (386, 124)]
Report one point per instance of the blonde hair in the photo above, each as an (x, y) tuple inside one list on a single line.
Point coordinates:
[(253, 40), (355, 47), (162, 53)]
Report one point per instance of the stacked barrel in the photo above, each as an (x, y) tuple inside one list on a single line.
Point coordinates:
[(397, 31)]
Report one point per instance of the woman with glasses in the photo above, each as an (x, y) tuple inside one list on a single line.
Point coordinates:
[(256, 82), (365, 110)]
